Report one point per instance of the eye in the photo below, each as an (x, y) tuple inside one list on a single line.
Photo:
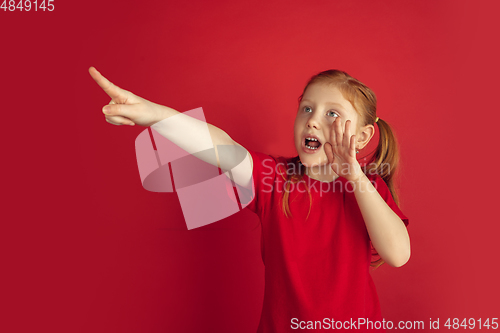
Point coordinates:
[(330, 113), (333, 114)]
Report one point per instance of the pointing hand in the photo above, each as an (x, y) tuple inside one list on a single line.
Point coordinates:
[(125, 108)]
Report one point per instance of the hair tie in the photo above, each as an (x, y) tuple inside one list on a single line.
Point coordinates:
[(376, 119)]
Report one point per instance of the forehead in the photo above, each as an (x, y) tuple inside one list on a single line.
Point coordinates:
[(325, 94)]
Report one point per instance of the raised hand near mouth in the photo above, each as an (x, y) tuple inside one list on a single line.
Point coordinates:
[(341, 151)]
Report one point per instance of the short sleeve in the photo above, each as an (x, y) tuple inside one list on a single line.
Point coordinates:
[(263, 179), (385, 193)]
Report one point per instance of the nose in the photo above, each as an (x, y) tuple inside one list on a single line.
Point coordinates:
[(312, 122)]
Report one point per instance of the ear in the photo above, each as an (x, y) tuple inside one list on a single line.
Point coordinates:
[(364, 136)]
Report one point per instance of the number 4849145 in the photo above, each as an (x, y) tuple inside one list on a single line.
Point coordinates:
[(27, 5), (454, 323)]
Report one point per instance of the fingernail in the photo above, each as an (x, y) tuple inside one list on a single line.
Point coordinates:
[(106, 109)]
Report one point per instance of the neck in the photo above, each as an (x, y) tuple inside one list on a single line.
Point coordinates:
[(323, 173)]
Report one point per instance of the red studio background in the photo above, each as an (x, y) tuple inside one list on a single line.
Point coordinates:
[(86, 249)]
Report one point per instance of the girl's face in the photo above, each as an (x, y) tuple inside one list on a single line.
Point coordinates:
[(320, 105)]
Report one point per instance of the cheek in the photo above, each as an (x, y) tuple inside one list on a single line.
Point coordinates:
[(354, 125), (296, 129), (296, 122)]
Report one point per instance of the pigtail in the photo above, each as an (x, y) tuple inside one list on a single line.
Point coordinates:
[(386, 158), (385, 164)]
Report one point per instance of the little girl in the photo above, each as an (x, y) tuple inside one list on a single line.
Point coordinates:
[(323, 215)]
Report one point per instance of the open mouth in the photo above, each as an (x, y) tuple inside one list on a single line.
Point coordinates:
[(312, 143)]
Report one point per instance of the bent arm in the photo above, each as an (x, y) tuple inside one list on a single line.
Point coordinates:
[(387, 231)]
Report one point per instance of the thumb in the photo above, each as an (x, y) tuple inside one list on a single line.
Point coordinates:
[(329, 152), (123, 110)]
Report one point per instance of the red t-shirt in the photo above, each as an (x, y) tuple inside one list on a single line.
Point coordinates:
[(317, 269)]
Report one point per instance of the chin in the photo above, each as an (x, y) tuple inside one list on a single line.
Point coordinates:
[(309, 162)]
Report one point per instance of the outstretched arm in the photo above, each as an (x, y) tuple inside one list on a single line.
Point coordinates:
[(187, 132)]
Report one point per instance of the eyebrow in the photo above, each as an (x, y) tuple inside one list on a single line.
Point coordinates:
[(328, 103)]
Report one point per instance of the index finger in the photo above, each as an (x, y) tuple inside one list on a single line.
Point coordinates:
[(108, 87), (336, 132)]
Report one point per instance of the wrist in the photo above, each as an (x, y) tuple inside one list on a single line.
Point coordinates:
[(356, 174), (357, 181), (162, 112), (362, 184)]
